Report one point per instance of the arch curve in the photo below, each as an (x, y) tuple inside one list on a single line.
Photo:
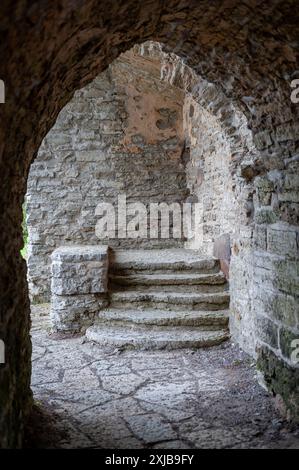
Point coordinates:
[(249, 50)]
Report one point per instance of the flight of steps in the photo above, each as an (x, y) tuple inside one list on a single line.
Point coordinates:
[(163, 299)]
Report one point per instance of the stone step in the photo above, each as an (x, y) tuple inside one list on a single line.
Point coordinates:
[(158, 261), (142, 244), (183, 282), (170, 300), (208, 319), (154, 337)]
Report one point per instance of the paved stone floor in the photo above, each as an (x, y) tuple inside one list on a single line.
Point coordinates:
[(89, 397)]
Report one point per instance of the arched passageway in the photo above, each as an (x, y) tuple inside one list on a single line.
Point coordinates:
[(246, 57)]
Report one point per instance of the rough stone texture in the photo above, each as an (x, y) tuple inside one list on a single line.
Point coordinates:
[(151, 307), (159, 261), (74, 313), (120, 135), (79, 286), (174, 300), (244, 51), (211, 153), (91, 397), (79, 270), (282, 380), (209, 175), (206, 318), (148, 336)]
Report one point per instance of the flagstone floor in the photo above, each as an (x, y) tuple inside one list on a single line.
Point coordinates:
[(90, 397)]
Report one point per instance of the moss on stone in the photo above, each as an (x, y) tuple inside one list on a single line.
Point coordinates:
[(281, 380)]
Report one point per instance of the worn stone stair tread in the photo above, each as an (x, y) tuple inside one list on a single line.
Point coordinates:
[(169, 279), (166, 317), (154, 337), (168, 259), (163, 299), (175, 299)]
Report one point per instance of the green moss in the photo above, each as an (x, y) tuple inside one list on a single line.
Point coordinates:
[(265, 215), (286, 340), (281, 379)]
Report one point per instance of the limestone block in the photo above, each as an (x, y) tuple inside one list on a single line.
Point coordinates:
[(262, 139), (78, 286), (282, 239), (291, 181), (286, 343), (264, 188), (74, 313), (288, 196), (267, 331), (281, 307), (287, 132), (265, 215), (260, 237), (79, 270), (287, 276)]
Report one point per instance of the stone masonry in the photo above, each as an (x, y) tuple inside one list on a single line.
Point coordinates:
[(79, 286), (121, 135), (157, 299), (163, 299), (91, 397), (216, 164), (243, 56)]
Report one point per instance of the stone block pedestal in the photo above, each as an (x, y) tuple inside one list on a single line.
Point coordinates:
[(78, 286)]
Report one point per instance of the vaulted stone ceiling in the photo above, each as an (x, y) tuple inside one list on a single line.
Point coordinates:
[(248, 50)]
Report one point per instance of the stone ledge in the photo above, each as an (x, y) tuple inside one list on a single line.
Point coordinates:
[(77, 253)]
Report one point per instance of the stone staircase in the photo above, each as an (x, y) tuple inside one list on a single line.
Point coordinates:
[(163, 299)]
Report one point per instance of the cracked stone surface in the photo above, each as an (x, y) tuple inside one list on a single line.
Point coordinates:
[(92, 397)]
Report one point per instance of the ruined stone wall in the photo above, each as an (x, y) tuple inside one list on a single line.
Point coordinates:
[(247, 50), (227, 212), (209, 175), (276, 280), (121, 135), (219, 155), (256, 170), (241, 196)]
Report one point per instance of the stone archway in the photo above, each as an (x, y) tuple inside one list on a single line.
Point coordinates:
[(247, 51), (209, 128)]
